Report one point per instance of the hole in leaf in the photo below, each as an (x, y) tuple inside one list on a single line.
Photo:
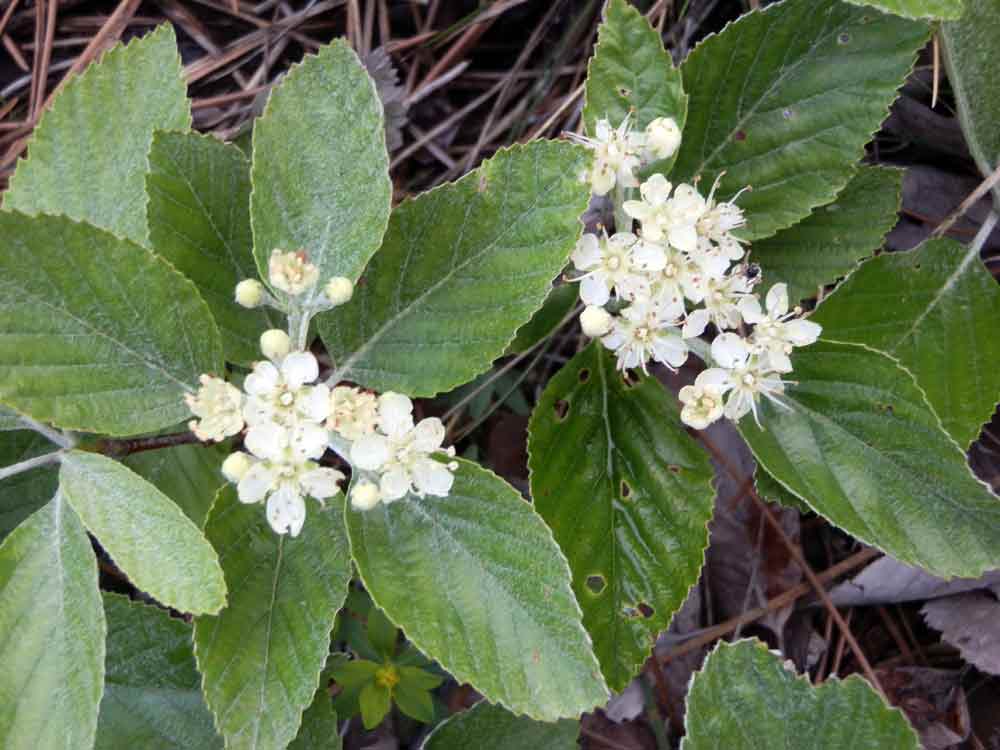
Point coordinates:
[(596, 583), (584, 375), (673, 469), (843, 38), (626, 490), (740, 135), (562, 409), (645, 610), (623, 91), (787, 114)]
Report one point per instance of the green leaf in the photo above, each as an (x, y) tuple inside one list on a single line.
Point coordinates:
[(96, 333), (199, 220), (375, 703), (546, 319), (161, 551), (858, 442), (971, 49), (784, 100), (418, 677), (918, 8), (488, 727), (770, 490), (462, 268), (628, 495), (52, 649), (631, 72), (480, 567), (382, 633), (152, 689), (9, 419), (87, 157), (935, 309), (319, 726), (320, 167), (262, 655), (23, 494), (190, 475), (744, 698), (414, 701), (831, 241)]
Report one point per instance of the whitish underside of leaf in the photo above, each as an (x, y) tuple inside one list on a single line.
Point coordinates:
[(929, 9), (24, 493), (935, 309), (628, 495), (462, 267), (831, 241), (745, 698), (477, 583), (159, 548), (88, 155), (261, 656), (784, 99), (320, 167), (857, 440), (971, 48), (631, 73), (488, 727), (199, 220), (52, 626), (97, 333), (152, 689)]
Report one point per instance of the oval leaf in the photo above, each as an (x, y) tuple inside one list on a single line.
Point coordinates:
[(96, 333), (161, 551), (935, 309), (949, 9), (631, 72), (199, 220), (971, 48), (262, 655), (477, 568), (831, 241), (628, 495), (744, 698), (152, 689), (857, 441), (52, 649), (87, 156), (462, 268), (488, 727), (320, 167), (784, 100)]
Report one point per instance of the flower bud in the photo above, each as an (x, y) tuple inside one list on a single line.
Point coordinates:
[(249, 293), (663, 137), (275, 344), (339, 290), (236, 465), (595, 321), (364, 496)]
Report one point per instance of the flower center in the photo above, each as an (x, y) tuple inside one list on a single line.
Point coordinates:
[(748, 379), (614, 262), (670, 271), (387, 676), (286, 399)]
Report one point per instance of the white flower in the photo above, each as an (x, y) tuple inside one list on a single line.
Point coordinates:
[(720, 219), (679, 277), (275, 344), (607, 264), (722, 299), (703, 401), (236, 465), (595, 321), (364, 495), (646, 330), (291, 272), (402, 453), (663, 217), (280, 394), (285, 485), (339, 290), (616, 155), (746, 376), (249, 293), (218, 406), (778, 331), (663, 138), (353, 412)]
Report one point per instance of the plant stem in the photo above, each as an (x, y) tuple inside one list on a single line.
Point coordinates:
[(128, 446), (29, 464), (62, 439)]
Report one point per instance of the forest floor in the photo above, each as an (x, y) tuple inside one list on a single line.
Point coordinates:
[(461, 81)]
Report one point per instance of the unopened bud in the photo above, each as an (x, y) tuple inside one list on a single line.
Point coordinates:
[(663, 137), (595, 321), (249, 293), (365, 495), (275, 344), (339, 290), (236, 465)]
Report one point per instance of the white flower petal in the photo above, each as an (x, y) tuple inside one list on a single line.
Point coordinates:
[(587, 253), (750, 309), (714, 377), (730, 351), (428, 435), (656, 190), (432, 477), (267, 440), (286, 511), (777, 300), (801, 332), (395, 413), (695, 323), (594, 291), (299, 368), (649, 256), (255, 484), (683, 237), (670, 350), (263, 380), (308, 441), (321, 482), (313, 402), (370, 452), (394, 484)]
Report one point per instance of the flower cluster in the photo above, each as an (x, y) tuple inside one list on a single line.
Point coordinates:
[(291, 419), (682, 270)]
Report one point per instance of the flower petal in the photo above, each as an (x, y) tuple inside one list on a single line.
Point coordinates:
[(428, 435), (395, 413), (299, 368), (286, 511), (370, 452), (321, 482), (730, 351), (255, 484), (263, 380), (432, 477)]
